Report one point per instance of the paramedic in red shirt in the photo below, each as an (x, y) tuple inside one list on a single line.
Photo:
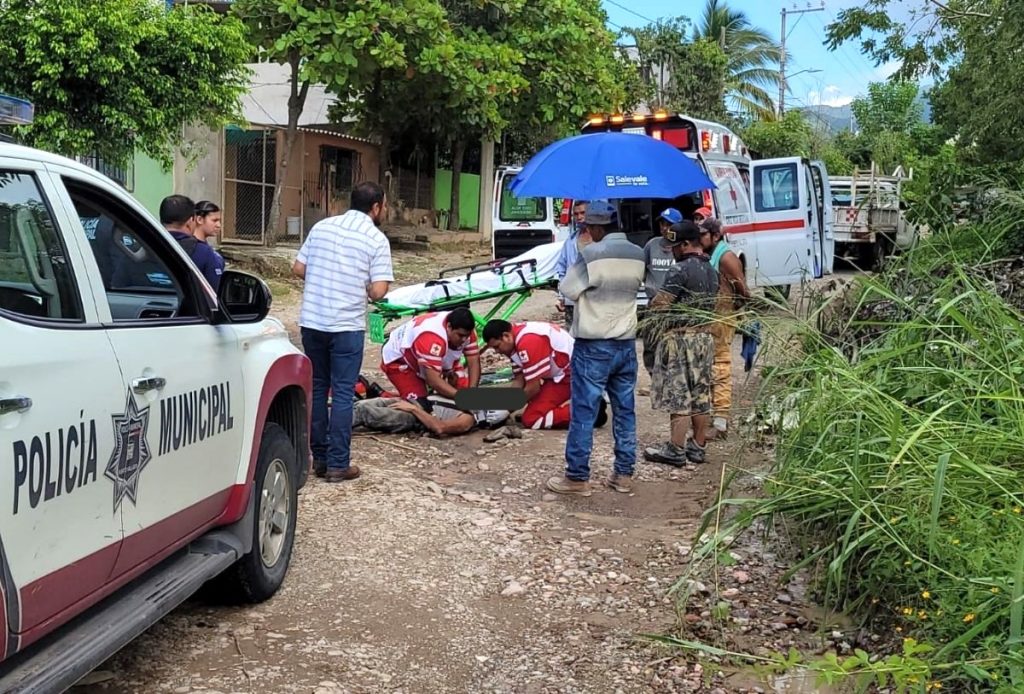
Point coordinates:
[(540, 353), (425, 354)]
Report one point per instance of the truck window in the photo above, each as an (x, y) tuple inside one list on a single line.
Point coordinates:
[(513, 209), (776, 188), (731, 194), (36, 280)]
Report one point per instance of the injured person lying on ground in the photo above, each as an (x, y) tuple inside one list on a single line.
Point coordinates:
[(398, 416)]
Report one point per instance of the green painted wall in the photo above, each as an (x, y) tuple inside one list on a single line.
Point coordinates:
[(469, 197), (152, 183)]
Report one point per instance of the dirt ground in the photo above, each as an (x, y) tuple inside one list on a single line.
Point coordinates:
[(448, 568)]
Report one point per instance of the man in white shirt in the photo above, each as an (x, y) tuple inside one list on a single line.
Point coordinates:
[(344, 261)]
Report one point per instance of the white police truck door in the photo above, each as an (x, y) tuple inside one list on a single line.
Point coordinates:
[(780, 194), (62, 415), (181, 370)]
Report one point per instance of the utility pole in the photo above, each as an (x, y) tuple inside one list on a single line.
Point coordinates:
[(782, 55)]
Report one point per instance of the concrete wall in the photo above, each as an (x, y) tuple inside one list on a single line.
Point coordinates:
[(152, 183), (469, 197), (199, 173)]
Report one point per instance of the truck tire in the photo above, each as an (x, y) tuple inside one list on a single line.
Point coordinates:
[(258, 574)]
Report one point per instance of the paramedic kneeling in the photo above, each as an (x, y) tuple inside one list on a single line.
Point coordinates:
[(424, 353), (540, 354)]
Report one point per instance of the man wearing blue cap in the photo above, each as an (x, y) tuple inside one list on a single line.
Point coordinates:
[(603, 283)]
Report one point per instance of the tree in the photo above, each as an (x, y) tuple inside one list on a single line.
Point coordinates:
[(536, 68), (679, 74), (753, 58), (343, 45), (108, 77), (887, 107), (790, 136)]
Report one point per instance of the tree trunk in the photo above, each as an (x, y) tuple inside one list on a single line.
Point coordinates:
[(458, 154), (296, 102), (385, 163)]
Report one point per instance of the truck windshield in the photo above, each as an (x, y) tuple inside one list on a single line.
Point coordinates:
[(513, 209)]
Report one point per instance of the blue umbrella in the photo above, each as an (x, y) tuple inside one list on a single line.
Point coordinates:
[(609, 165)]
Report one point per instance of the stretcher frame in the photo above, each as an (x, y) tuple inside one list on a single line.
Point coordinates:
[(509, 298)]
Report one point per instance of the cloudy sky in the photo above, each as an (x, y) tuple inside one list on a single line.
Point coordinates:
[(844, 73)]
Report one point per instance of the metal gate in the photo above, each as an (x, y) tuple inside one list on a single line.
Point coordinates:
[(250, 172)]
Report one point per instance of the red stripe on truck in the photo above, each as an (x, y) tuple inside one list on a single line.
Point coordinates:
[(764, 226)]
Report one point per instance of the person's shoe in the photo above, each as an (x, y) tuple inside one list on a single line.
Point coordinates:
[(564, 485), (694, 452), (721, 427), (319, 467), (620, 483), (344, 474), (602, 414), (643, 391), (668, 453)]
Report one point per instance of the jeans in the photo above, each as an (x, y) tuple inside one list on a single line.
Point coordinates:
[(600, 366), (337, 359)]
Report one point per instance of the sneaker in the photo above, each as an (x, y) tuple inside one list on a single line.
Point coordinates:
[(667, 453), (694, 452), (721, 427), (335, 475), (564, 485), (620, 483), (602, 414)]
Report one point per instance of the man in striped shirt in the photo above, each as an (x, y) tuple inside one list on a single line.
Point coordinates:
[(344, 261)]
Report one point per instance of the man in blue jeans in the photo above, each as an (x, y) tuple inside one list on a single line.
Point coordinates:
[(344, 261), (603, 283)]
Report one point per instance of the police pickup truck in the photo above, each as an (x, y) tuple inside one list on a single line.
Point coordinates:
[(153, 434)]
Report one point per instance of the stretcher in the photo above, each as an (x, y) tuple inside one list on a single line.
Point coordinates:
[(509, 283)]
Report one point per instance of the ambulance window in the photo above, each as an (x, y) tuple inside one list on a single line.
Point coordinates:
[(513, 209), (36, 280), (133, 260), (776, 188)]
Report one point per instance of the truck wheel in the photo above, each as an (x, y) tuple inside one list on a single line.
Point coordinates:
[(779, 293), (258, 575)]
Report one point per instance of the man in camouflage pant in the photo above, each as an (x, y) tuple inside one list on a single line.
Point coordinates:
[(681, 382)]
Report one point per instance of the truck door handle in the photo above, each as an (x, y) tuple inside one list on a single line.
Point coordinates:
[(144, 385), (15, 404)]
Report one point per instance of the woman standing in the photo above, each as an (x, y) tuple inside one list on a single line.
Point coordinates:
[(207, 224)]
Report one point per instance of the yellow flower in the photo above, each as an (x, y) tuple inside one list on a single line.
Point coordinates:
[(1016, 509), (926, 595), (956, 541), (899, 630), (908, 610), (969, 617), (922, 615), (994, 589)]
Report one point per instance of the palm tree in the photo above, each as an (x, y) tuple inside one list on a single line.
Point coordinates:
[(753, 58)]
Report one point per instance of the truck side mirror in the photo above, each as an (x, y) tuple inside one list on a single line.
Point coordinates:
[(243, 297)]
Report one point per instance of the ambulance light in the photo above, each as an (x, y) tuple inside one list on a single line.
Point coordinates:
[(705, 140), (596, 120), (725, 143), (660, 114), (617, 119), (639, 118)]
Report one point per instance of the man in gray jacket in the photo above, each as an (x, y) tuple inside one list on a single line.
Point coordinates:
[(603, 284)]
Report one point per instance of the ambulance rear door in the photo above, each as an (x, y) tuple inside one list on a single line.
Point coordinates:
[(783, 221)]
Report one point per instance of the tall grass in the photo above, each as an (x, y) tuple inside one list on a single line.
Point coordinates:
[(903, 471)]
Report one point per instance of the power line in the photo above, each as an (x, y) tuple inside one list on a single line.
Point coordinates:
[(631, 11)]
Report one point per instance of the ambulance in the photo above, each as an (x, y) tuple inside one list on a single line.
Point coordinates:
[(776, 213), (521, 224)]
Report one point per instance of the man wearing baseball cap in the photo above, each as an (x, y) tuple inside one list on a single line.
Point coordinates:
[(701, 214), (603, 282), (681, 381), (658, 260)]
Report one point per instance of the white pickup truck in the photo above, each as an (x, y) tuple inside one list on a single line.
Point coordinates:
[(869, 220), (153, 433)]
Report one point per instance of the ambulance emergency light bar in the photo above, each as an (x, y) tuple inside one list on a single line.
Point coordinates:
[(15, 111), (673, 129)]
